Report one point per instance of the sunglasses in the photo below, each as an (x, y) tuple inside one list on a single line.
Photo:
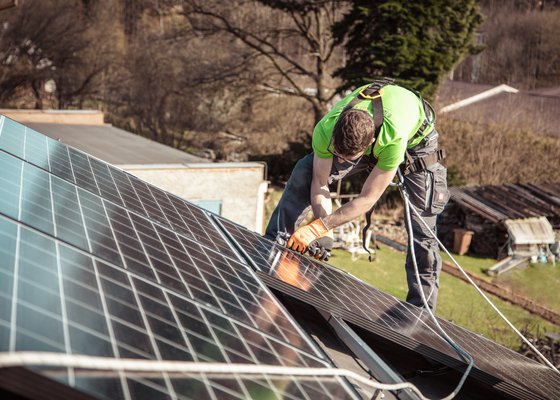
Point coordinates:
[(344, 159)]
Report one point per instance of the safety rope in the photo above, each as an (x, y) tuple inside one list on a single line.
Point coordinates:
[(44, 359), (458, 349), (408, 207)]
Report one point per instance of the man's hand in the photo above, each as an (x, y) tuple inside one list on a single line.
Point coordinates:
[(320, 248), (301, 238)]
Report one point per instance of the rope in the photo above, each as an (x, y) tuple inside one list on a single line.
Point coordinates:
[(44, 359), (458, 349), (537, 352)]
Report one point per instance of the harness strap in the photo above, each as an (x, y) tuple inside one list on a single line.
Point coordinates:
[(422, 163), (410, 165), (373, 92)]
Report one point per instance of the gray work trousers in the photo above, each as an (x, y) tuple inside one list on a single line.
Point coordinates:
[(427, 190)]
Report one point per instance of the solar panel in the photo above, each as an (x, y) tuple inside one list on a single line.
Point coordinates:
[(94, 261), (343, 295), (110, 183)]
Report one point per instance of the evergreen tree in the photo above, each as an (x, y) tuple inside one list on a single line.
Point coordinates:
[(417, 42)]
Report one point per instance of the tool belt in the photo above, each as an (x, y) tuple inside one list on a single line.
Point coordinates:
[(414, 165)]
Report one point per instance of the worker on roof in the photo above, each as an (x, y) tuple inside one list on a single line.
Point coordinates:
[(377, 128)]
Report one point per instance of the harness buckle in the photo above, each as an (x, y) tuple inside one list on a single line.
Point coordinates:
[(376, 93)]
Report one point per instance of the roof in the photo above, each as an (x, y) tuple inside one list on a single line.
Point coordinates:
[(117, 289), (530, 231), (513, 201), (531, 110), (114, 145), (452, 91)]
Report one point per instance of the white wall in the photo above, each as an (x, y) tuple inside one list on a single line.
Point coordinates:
[(239, 186)]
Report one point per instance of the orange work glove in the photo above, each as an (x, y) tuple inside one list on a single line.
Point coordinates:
[(301, 238)]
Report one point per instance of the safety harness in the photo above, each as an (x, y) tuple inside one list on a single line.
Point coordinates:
[(373, 93)]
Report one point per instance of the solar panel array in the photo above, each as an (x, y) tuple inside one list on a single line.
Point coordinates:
[(94, 261), (343, 295)]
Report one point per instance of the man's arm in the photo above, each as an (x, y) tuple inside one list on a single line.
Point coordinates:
[(320, 194), (373, 188)]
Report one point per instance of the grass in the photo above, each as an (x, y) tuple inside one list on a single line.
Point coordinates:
[(458, 301), (539, 282), (475, 265)]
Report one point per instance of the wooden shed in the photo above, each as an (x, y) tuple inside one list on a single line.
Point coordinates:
[(484, 211)]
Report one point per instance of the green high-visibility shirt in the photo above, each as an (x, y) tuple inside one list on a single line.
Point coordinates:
[(403, 113)]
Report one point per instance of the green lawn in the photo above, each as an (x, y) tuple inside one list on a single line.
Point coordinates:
[(475, 265), (539, 282), (458, 301)]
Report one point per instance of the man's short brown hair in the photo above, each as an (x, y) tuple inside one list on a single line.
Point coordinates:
[(353, 132)]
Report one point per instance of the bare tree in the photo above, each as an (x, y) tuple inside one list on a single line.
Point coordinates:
[(520, 45), (52, 40), (293, 42), (174, 81)]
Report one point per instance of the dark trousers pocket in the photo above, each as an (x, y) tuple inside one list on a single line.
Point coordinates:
[(440, 193)]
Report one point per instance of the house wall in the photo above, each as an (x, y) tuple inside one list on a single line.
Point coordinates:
[(240, 187)]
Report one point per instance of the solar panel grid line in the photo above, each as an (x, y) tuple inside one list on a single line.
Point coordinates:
[(128, 242), (182, 328), (82, 171), (37, 206), (12, 342), (196, 233), (241, 251), (65, 331), (179, 259), (105, 181), (168, 384), (95, 220), (129, 196), (169, 210), (177, 270), (59, 161), (72, 198), (23, 149), (11, 142), (212, 287), (227, 357), (36, 149), (150, 205)]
